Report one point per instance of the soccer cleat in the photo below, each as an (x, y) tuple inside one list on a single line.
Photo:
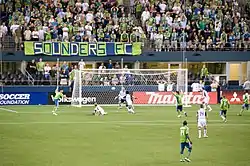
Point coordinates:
[(181, 160), (187, 159), (54, 113), (239, 114), (199, 137), (185, 114), (179, 116), (225, 120), (205, 136)]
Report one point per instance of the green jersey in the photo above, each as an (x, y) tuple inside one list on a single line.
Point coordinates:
[(184, 130), (178, 99), (224, 104), (246, 98), (40, 66), (58, 95)]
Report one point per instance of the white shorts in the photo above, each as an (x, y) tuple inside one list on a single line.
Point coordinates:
[(202, 123), (129, 103), (206, 100)]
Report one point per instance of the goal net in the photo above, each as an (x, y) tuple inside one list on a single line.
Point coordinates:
[(148, 86)]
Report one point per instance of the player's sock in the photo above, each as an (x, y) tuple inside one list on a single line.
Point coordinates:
[(223, 118), (205, 132), (209, 108), (182, 158), (199, 132), (241, 111)]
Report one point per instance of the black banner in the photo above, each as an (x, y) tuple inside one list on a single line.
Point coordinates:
[(88, 98)]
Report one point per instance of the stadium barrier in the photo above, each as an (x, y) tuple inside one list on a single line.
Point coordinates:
[(234, 96), (16, 98), (88, 98)]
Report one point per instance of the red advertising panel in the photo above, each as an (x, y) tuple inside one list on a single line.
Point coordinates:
[(168, 98), (235, 97)]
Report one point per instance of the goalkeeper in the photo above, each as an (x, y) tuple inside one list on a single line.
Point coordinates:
[(121, 97), (99, 110)]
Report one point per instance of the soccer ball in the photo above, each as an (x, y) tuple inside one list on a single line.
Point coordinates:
[(113, 88)]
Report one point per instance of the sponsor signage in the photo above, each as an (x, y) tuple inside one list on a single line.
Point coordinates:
[(82, 48), (34, 98), (234, 97), (88, 98), (168, 98)]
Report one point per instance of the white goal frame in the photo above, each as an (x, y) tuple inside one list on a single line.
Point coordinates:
[(77, 93)]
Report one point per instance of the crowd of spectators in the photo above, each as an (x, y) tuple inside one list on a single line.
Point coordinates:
[(69, 20), (195, 25), (165, 24)]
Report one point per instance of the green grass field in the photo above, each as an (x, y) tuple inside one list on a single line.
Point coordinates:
[(34, 137)]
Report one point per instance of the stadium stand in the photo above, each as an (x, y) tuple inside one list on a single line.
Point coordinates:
[(166, 25)]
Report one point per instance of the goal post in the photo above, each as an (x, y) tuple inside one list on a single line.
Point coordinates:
[(148, 86)]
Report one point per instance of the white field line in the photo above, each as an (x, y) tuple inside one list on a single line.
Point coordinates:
[(135, 123), (8, 110)]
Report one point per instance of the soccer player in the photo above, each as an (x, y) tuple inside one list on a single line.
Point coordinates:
[(202, 121), (58, 95), (129, 103), (206, 100), (121, 97), (99, 110), (179, 105), (224, 106), (185, 142), (245, 105)]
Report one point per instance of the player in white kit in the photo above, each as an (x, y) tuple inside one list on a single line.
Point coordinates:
[(202, 121), (121, 97), (206, 99), (99, 110), (129, 103)]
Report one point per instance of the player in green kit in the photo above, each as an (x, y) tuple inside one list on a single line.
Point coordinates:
[(58, 95), (179, 106), (224, 106), (245, 105), (185, 142)]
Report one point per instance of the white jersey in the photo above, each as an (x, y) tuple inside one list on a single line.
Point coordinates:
[(99, 109), (205, 97), (129, 99), (201, 115), (122, 94), (81, 65)]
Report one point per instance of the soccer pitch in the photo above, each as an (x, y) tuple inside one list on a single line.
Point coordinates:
[(34, 137)]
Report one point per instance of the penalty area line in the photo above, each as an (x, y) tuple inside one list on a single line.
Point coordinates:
[(8, 110)]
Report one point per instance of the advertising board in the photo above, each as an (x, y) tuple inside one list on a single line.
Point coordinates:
[(34, 98)]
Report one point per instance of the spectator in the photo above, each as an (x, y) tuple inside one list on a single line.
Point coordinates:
[(3, 33), (31, 68), (115, 80), (27, 34), (40, 68), (35, 35), (246, 85), (110, 65), (204, 72), (117, 66), (65, 66), (47, 70), (18, 37), (214, 86)]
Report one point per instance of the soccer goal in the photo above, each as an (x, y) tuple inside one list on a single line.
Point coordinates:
[(148, 86)]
